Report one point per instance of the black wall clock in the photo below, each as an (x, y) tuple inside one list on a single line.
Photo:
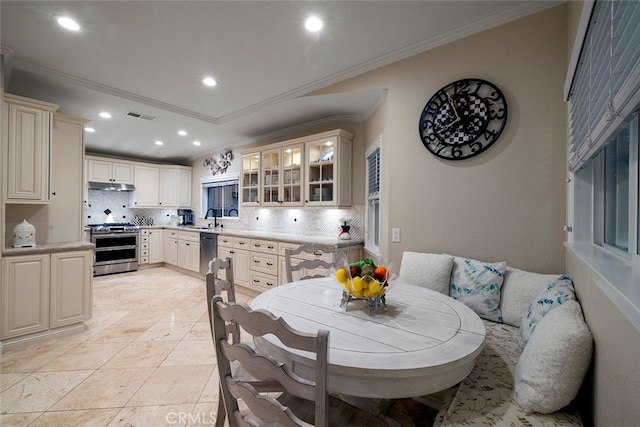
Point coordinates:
[(463, 119)]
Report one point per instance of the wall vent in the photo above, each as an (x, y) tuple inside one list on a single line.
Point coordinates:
[(139, 115)]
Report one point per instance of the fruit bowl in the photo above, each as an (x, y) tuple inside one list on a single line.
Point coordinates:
[(364, 280)]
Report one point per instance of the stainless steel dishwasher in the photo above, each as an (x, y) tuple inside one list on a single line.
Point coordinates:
[(208, 250)]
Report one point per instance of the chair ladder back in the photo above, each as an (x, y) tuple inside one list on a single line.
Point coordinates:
[(307, 249), (267, 367), (216, 285)]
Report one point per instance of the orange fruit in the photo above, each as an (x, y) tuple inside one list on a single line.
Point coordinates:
[(380, 271)]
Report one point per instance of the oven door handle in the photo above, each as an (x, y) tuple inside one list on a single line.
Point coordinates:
[(115, 248)]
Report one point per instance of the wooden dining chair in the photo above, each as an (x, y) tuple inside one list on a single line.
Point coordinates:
[(300, 260), (215, 286), (305, 402)]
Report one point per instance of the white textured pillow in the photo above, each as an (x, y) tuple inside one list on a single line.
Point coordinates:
[(477, 284), (518, 290), (431, 271), (554, 362), (553, 295)]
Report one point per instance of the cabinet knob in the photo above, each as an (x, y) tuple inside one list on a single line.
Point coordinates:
[(53, 194)]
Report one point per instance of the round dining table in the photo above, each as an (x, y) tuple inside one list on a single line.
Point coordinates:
[(422, 342)]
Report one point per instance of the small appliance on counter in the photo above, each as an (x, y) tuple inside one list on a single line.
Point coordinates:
[(345, 226), (185, 217)]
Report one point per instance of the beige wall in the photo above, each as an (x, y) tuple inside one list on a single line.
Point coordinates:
[(509, 202), (616, 361)]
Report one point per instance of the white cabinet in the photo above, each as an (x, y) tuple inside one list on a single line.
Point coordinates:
[(238, 249), (27, 124), (71, 288), (102, 170), (67, 153), (189, 250), (282, 176), (328, 164), (25, 294), (151, 246), (155, 246), (175, 187), (146, 181), (143, 246), (250, 179), (170, 246), (311, 171), (43, 292), (264, 264)]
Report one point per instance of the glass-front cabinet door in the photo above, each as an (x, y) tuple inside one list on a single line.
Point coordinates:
[(282, 176), (321, 171), (251, 179), (270, 177), (292, 190)]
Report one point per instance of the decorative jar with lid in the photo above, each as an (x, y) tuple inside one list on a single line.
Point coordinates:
[(24, 235)]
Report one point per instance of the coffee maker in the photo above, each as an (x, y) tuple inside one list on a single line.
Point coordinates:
[(185, 217)]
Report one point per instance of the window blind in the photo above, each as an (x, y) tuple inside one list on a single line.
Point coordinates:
[(607, 77), (373, 171)]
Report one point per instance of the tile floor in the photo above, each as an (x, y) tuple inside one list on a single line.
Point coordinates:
[(145, 359)]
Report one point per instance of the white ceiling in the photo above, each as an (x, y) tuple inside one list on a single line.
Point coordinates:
[(149, 57)]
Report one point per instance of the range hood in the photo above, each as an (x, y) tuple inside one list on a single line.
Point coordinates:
[(110, 186)]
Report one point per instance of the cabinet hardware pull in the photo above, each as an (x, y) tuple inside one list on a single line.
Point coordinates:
[(269, 284), (270, 247), (256, 281), (269, 264)]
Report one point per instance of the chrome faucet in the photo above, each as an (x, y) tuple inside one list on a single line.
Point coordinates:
[(215, 218)]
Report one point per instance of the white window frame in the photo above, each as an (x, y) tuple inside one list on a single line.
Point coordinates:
[(203, 190), (369, 218)]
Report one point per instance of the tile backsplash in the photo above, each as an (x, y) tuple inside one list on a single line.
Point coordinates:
[(312, 221)]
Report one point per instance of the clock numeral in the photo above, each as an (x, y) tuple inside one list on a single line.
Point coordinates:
[(475, 147), (499, 113), (489, 134), (456, 152)]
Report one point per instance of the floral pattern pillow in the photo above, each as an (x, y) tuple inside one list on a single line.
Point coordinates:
[(553, 295), (477, 285)]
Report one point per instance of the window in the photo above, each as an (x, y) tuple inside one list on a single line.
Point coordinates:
[(614, 192), (372, 211), (220, 196), (604, 98)]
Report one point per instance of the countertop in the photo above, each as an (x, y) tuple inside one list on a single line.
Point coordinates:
[(284, 237), (48, 248)]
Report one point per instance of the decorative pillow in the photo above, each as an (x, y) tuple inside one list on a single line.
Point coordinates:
[(428, 270), (518, 290), (554, 362), (477, 284), (554, 294)]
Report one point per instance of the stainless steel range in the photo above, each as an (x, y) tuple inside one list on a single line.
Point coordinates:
[(116, 248)]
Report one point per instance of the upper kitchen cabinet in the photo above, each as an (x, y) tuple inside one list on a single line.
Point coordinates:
[(282, 176), (103, 170), (328, 176), (67, 189), (146, 194), (26, 149), (309, 171), (251, 179), (175, 187)]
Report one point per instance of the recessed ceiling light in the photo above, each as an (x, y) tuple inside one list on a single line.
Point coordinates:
[(90, 130), (313, 24), (209, 81), (68, 23), (105, 115), (159, 142), (196, 142), (182, 132)]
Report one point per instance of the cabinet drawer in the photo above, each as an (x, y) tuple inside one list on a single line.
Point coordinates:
[(282, 246), (320, 255), (241, 243), (225, 241), (144, 232), (144, 239), (189, 236), (264, 246), (265, 263), (263, 281)]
